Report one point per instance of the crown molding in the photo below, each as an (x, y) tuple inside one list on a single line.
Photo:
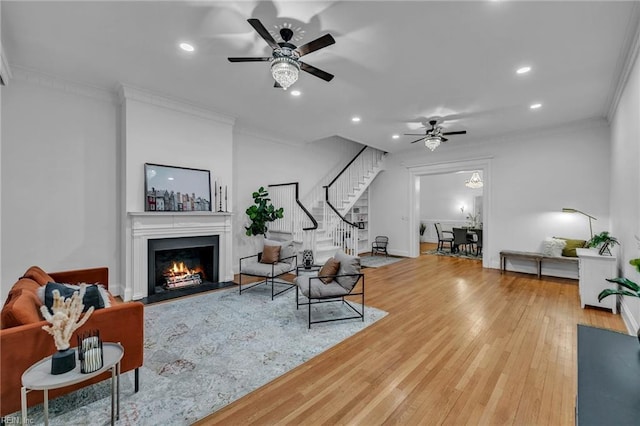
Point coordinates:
[(5, 70), (50, 81), (126, 92), (269, 137), (633, 43)]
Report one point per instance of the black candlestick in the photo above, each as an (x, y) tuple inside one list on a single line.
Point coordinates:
[(220, 206)]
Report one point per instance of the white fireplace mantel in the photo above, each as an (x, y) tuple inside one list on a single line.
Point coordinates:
[(143, 226)]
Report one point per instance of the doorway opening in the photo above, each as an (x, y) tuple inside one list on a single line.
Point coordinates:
[(481, 207)]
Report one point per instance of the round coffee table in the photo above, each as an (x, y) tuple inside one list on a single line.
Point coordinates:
[(39, 377)]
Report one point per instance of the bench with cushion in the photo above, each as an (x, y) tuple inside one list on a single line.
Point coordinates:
[(554, 250), (538, 258)]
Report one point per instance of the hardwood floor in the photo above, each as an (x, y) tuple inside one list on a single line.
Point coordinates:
[(461, 345)]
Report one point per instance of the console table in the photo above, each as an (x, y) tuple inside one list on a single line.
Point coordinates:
[(39, 377), (608, 378)]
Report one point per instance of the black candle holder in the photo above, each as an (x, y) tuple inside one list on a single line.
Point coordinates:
[(90, 352)]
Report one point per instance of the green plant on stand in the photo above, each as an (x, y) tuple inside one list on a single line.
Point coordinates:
[(629, 288), (604, 240), (261, 213)]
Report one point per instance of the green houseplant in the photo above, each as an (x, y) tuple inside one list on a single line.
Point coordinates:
[(261, 213), (626, 287), (604, 240)]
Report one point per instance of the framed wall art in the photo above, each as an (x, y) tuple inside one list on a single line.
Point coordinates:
[(176, 189)]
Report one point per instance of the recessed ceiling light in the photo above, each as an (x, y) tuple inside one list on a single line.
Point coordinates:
[(355, 119), (296, 93), (523, 70), (395, 136), (187, 47), (535, 106)]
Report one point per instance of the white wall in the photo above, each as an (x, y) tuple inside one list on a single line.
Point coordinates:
[(170, 133), (441, 198), (59, 197), (533, 176), (260, 161), (625, 186)]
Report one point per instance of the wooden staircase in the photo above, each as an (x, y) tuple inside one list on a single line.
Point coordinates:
[(321, 225)]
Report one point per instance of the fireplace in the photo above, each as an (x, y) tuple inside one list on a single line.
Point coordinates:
[(181, 263)]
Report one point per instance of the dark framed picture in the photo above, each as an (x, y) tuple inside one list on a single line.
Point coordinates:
[(176, 189), (360, 225)]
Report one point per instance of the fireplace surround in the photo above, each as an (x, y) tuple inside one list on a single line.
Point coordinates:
[(143, 227)]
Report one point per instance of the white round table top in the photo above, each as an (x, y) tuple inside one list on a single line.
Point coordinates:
[(39, 377)]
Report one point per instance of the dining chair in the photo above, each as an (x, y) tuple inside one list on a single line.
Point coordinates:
[(444, 237), (460, 239)]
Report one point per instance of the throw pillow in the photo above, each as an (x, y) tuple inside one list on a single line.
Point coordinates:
[(287, 249), (92, 296), (552, 247), (331, 267), (570, 247), (270, 254), (348, 265)]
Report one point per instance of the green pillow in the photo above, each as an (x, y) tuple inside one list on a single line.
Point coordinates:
[(569, 249)]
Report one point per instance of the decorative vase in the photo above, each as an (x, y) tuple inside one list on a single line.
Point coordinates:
[(63, 361), (307, 258)]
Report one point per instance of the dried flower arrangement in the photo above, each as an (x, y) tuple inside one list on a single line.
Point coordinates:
[(65, 318)]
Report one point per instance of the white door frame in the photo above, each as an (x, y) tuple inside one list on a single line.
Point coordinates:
[(416, 172)]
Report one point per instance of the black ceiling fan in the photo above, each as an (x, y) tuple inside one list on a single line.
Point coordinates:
[(435, 133), (286, 56)]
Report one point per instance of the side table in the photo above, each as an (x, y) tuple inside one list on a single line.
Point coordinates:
[(39, 377)]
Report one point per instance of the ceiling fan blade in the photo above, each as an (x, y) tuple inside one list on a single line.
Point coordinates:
[(260, 29), (460, 132), (319, 43), (265, 59), (315, 71), (418, 140)]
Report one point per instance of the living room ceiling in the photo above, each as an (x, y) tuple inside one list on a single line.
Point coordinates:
[(394, 62)]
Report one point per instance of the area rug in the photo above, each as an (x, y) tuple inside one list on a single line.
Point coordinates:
[(206, 351), (449, 254), (378, 261)]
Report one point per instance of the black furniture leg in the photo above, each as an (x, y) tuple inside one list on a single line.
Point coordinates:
[(137, 380)]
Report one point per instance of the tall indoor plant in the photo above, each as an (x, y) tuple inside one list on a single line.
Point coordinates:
[(261, 213)]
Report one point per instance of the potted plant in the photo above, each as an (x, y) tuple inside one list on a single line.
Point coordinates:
[(604, 240), (261, 213), (629, 288)]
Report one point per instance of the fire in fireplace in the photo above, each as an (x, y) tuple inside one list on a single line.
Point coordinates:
[(180, 276), (176, 263)]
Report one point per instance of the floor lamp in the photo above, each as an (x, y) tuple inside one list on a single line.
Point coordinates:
[(568, 210)]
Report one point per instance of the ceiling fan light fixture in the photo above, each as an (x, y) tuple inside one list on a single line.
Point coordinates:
[(475, 181), (432, 142), (284, 71)]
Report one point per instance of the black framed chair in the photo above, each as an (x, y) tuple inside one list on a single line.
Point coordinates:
[(349, 281), (379, 245), (444, 237), (253, 266)]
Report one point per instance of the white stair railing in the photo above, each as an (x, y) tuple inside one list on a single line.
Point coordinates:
[(345, 185), (296, 219), (336, 192), (340, 193)]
